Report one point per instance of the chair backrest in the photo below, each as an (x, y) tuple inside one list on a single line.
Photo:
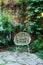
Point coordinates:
[(22, 38)]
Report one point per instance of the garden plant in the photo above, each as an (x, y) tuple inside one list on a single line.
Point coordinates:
[(29, 18)]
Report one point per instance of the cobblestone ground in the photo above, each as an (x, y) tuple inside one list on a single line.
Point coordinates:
[(16, 58)]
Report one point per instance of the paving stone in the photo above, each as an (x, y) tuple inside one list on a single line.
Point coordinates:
[(23, 55), (39, 60), (21, 61), (30, 61), (15, 54), (1, 61), (40, 64), (1, 54), (4, 54), (10, 63), (9, 58), (17, 58), (33, 56)]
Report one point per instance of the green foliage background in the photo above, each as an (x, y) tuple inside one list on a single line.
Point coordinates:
[(33, 23)]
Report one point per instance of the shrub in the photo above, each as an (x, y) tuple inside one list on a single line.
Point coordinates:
[(40, 54), (36, 45), (5, 30)]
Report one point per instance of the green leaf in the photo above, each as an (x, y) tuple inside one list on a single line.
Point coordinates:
[(39, 28), (38, 17), (36, 10)]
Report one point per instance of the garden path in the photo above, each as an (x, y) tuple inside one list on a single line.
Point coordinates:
[(17, 58)]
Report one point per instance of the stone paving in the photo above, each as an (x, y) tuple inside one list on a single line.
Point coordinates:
[(17, 58)]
